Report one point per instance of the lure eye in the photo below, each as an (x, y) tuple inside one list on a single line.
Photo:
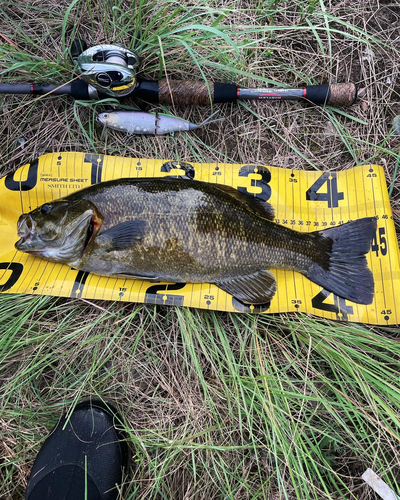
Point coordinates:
[(46, 208)]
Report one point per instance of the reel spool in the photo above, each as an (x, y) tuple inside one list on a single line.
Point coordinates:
[(110, 69)]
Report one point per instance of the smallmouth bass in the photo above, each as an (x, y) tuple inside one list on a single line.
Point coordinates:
[(178, 230)]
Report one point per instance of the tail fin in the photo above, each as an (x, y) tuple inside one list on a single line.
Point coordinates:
[(207, 121), (344, 270)]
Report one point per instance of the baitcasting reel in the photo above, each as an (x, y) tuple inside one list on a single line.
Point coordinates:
[(110, 69)]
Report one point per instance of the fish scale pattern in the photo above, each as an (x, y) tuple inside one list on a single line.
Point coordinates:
[(193, 232)]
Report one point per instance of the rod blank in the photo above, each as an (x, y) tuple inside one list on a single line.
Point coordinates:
[(78, 89)]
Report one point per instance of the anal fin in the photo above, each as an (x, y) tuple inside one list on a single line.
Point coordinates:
[(255, 288)]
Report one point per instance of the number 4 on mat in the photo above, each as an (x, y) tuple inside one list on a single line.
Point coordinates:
[(332, 196), (339, 306)]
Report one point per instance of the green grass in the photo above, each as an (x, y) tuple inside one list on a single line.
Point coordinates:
[(225, 405), (215, 405)]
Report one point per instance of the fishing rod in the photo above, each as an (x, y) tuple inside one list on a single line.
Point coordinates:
[(111, 70)]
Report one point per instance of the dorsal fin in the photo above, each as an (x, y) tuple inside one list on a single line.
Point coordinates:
[(259, 207)]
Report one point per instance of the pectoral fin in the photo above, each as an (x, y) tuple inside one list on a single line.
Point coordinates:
[(256, 288), (122, 236)]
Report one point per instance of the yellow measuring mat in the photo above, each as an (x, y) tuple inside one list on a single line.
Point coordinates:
[(303, 201)]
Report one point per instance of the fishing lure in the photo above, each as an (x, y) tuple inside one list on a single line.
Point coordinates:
[(139, 122)]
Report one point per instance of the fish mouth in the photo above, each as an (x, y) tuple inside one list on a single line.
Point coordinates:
[(25, 230), (30, 240)]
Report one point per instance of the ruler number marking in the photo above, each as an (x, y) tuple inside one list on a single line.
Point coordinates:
[(339, 306), (332, 195), (379, 243)]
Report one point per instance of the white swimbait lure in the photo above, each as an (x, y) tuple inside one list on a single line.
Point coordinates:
[(139, 122)]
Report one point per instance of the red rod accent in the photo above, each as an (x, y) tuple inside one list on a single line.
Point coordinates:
[(270, 94)]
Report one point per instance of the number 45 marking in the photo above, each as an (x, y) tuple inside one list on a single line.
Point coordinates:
[(380, 245)]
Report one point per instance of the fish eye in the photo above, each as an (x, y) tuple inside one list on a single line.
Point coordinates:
[(46, 208), (105, 115)]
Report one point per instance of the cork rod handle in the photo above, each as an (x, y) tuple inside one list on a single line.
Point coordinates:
[(199, 93), (335, 94)]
